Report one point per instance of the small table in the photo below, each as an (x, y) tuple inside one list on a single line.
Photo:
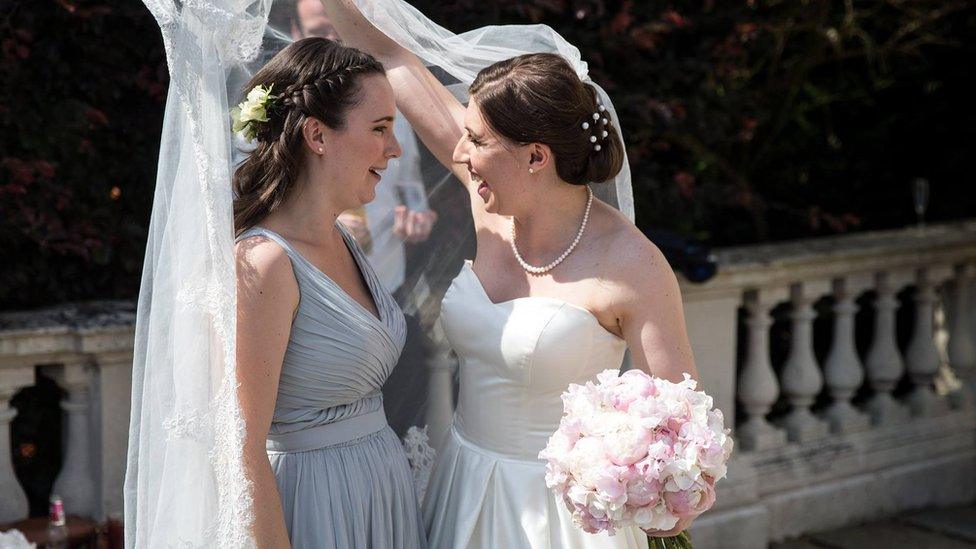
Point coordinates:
[(81, 532)]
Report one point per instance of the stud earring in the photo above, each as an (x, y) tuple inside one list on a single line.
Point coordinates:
[(321, 150), (531, 170)]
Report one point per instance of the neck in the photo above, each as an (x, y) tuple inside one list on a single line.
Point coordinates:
[(308, 214), (551, 226)]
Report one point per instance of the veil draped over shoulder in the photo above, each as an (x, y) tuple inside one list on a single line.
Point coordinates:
[(185, 484)]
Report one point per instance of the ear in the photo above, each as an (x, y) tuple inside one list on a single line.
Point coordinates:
[(313, 131), (540, 156)]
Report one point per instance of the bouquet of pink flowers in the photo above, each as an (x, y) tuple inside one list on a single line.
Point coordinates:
[(635, 450)]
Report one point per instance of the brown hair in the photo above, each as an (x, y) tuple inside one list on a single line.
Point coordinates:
[(314, 77), (539, 98)]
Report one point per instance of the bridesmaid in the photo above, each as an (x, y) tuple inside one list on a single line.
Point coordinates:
[(317, 335)]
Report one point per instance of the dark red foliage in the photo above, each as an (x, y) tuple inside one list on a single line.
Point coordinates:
[(752, 120), (82, 98), (745, 120)]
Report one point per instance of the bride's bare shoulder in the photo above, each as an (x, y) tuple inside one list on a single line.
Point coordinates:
[(637, 264)]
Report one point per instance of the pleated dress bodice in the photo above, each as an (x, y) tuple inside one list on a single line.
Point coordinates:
[(341, 473), (339, 354)]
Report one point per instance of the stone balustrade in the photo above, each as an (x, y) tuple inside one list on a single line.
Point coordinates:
[(873, 418), (839, 430), (87, 350)]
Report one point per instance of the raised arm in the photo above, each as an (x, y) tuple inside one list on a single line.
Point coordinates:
[(435, 114), (267, 295)]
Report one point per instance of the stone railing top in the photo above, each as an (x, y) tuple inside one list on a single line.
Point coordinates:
[(74, 316), (67, 333), (759, 265)]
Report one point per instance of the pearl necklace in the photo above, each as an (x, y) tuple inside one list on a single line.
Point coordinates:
[(541, 270)]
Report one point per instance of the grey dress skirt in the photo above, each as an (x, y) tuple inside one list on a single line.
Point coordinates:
[(342, 474)]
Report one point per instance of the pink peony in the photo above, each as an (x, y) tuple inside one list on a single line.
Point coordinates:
[(632, 387), (634, 450), (628, 444), (693, 501), (643, 492)]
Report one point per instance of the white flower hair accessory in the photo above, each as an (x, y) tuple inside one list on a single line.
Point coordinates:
[(252, 111)]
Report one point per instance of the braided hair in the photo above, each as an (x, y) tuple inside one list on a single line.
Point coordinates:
[(318, 78)]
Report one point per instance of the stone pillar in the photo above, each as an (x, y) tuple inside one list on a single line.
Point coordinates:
[(757, 387), (712, 318), (114, 398), (76, 481), (843, 370), (962, 349), (440, 408), (922, 356), (802, 380), (884, 364), (13, 502)]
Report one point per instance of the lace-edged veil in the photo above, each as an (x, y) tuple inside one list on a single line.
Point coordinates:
[(185, 484)]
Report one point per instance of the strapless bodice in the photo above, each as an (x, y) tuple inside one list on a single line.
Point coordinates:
[(516, 359)]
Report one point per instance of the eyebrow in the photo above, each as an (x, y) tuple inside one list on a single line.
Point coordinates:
[(383, 119)]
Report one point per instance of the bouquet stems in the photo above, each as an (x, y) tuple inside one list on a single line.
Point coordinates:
[(681, 541)]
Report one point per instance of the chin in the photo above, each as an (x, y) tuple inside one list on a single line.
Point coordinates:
[(493, 207), (367, 196)]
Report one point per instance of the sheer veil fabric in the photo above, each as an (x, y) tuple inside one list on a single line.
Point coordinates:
[(185, 484), (456, 60), (462, 56)]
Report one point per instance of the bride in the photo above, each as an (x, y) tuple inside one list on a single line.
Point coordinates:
[(561, 286)]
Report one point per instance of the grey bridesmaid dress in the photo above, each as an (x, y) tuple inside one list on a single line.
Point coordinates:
[(342, 475)]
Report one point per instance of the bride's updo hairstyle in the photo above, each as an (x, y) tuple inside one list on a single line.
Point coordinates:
[(313, 77), (538, 98)]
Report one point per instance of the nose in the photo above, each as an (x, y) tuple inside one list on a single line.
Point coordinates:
[(460, 155), (393, 149)]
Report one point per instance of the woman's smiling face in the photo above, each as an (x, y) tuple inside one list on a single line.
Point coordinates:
[(359, 151), (495, 164)]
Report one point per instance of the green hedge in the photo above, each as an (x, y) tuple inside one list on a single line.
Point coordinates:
[(746, 121)]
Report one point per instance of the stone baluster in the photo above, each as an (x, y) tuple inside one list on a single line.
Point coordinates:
[(962, 349), (113, 390), (75, 483), (884, 363), (801, 377), (922, 356), (843, 370), (757, 387), (440, 408), (13, 500)]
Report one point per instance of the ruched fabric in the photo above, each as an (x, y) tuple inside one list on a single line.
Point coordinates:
[(341, 472)]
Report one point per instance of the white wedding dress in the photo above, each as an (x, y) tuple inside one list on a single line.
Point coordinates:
[(488, 486)]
